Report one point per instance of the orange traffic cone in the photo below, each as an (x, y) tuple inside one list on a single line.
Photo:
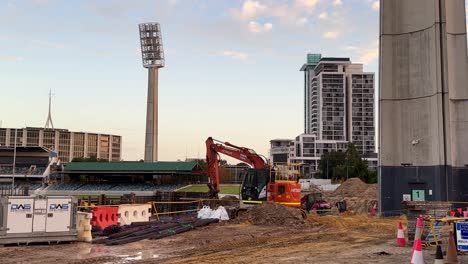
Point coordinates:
[(439, 257), (400, 241), (419, 227), (417, 257), (451, 250)]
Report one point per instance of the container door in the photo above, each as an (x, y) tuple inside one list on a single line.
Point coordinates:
[(39, 216), (20, 215), (58, 214)]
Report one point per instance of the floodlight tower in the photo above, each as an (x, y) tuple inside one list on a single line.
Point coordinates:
[(153, 59)]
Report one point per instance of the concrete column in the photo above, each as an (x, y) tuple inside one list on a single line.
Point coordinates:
[(424, 100), (151, 138), (25, 137), (72, 148), (56, 145), (98, 155), (413, 118), (85, 152), (110, 148), (7, 139), (41, 138), (457, 72)]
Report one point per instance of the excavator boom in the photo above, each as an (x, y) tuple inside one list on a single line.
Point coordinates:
[(215, 147)]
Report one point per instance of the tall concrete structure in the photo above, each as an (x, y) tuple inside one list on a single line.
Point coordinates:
[(153, 59), (423, 101)]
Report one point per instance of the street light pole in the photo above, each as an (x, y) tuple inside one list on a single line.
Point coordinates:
[(14, 161)]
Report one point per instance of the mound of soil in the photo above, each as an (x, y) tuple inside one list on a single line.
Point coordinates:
[(273, 214), (359, 196), (351, 187)]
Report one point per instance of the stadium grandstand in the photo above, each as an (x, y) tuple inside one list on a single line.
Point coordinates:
[(122, 178), (25, 170)]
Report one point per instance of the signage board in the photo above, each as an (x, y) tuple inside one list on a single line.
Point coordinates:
[(462, 236)]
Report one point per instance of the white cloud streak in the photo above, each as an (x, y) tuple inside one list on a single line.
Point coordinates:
[(337, 3), (330, 34), (376, 5), (292, 13), (235, 55), (255, 27)]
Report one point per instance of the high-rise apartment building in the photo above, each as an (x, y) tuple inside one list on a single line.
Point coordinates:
[(339, 108), (308, 69), (67, 144)]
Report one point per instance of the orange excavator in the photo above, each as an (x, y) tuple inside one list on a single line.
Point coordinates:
[(259, 183)]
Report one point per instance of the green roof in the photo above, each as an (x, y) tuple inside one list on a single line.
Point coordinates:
[(161, 166)]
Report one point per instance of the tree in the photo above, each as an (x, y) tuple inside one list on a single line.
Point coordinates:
[(339, 166)]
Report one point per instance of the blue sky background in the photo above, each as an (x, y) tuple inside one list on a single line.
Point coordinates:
[(232, 67)]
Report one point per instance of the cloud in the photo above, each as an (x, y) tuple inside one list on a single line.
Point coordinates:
[(368, 55), (290, 13), (323, 15), (365, 54), (307, 3), (330, 34), (350, 48), (337, 2), (250, 9), (235, 55), (12, 58), (255, 27), (376, 5), (48, 44), (302, 21)]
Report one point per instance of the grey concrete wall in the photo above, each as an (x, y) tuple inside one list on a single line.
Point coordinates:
[(423, 99), (410, 84)]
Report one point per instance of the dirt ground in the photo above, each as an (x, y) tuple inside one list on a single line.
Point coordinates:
[(322, 239)]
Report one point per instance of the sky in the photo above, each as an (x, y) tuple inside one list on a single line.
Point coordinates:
[(232, 67)]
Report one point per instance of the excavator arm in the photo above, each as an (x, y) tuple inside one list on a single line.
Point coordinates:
[(215, 147)]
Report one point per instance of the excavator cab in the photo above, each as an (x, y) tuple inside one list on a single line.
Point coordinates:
[(254, 186)]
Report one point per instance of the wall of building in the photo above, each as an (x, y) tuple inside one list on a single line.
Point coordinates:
[(67, 144)]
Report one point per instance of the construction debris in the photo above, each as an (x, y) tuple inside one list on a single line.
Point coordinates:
[(155, 230), (359, 196), (273, 214)]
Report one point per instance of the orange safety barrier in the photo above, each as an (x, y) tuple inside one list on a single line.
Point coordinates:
[(104, 216)]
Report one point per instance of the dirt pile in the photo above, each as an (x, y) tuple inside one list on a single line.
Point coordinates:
[(359, 196), (273, 214), (351, 187)]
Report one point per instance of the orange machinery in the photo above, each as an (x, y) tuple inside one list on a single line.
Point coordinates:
[(259, 183)]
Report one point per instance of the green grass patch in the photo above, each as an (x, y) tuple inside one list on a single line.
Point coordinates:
[(225, 189)]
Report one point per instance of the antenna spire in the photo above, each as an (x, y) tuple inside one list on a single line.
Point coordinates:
[(49, 122)]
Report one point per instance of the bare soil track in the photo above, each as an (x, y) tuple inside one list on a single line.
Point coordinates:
[(347, 238)]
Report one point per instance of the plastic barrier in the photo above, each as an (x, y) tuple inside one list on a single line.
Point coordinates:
[(83, 226), (129, 213), (104, 216)]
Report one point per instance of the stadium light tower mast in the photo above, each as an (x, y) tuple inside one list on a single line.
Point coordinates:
[(153, 59)]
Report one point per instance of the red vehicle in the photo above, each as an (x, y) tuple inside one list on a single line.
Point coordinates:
[(314, 201), (258, 184)]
